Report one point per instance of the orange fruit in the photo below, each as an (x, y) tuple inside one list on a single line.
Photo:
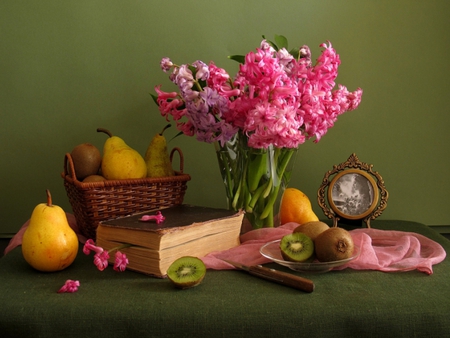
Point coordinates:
[(296, 207)]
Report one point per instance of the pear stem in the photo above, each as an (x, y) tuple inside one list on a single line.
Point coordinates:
[(106, 131), (49, 198)]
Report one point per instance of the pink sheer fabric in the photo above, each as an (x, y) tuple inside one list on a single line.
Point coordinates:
[(383, 250)]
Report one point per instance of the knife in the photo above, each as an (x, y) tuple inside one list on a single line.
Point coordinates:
[(276, 276)]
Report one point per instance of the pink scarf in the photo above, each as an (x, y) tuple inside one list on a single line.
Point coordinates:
[(383, 250)]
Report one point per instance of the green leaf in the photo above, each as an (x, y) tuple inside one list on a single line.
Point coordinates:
[(295, 52), (238, 58), (179, 133), (281, 41), (273, 44), (154, 97)]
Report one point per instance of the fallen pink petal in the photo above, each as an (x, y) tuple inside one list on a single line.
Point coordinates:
[(90, 246), (69, 286), (159, 218), (101, 260), (121, 261)]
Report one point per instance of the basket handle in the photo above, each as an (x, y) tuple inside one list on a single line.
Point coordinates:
[(71, 171), (180, 153)]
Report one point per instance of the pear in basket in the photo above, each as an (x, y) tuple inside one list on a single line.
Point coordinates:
[(157, 157), (121, 161)]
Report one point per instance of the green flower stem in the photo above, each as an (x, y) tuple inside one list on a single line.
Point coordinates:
[(269, 186), (236, 198), (250, 184), (225, 161), (257, 168), (282, 168), (256, 195), (119, 247)]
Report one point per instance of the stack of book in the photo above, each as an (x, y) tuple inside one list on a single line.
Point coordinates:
[(186, 231)]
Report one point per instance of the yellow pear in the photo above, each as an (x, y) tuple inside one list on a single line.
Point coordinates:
[(49, 243), (157, 157), (120, 161), (296, 207)]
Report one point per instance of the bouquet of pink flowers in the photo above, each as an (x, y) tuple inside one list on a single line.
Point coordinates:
[(277, 97), (277, 100)]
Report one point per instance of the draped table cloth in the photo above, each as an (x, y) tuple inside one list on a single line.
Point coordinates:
[(229, 303)]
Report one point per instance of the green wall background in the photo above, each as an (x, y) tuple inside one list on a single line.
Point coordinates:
[(68, 67)]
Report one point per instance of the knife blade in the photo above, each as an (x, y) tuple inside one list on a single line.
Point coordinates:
[(276, 276)]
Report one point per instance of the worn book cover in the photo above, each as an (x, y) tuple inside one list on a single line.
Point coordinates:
[(186, 231)]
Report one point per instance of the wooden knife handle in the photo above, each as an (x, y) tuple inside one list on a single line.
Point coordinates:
[(282, 278)]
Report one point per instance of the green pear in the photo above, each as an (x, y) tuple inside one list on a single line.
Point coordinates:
[(157, 157), (49, 243), (120, 161)]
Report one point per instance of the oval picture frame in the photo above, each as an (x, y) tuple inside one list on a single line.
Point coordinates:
[(352, 191), (353, 194)]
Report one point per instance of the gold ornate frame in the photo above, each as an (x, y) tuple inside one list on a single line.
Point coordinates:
[(340, 204)]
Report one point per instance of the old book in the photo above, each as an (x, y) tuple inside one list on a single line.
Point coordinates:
[(186, 231)]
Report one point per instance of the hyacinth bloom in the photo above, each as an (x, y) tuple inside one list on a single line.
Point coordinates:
[(120, 262), (158, 218), (69, 286), (274, 99), (101, 256), (277, 101), (101, 260)]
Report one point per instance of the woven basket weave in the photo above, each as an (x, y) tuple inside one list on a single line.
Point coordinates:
[(93, 202)]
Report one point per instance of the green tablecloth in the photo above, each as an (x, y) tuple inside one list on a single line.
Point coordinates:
[(227, 304)]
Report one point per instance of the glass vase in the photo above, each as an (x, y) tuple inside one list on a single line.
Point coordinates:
[(255, 179)]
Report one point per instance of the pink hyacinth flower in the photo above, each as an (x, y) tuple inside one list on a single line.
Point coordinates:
[(101, 260), (159, 218), (69, 286), (121, 261), (90, 246)]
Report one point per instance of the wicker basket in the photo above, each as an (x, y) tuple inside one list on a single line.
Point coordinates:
[(94, 202)]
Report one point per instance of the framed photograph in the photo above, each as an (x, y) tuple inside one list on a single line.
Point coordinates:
[(353, 194), (352, 191)]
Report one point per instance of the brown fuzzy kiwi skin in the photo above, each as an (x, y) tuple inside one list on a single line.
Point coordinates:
[(312, 229), (94, 178), (86, 160), (334, 244)]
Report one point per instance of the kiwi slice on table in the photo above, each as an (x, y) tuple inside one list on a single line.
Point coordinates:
[(186, 272), (296, 247)]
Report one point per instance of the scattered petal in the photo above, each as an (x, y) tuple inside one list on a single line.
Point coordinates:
[(159, 218), (121, 261), (101, 260), (69, 286), (90, 246)]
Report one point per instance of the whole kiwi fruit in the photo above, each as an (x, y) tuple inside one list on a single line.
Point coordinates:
[(186, 272), (94, 178), (334, 244), (86, 159), (312, 229), (296, 247)]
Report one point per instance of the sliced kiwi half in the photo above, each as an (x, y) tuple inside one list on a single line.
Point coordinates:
[(186, 272), (297, 247)]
